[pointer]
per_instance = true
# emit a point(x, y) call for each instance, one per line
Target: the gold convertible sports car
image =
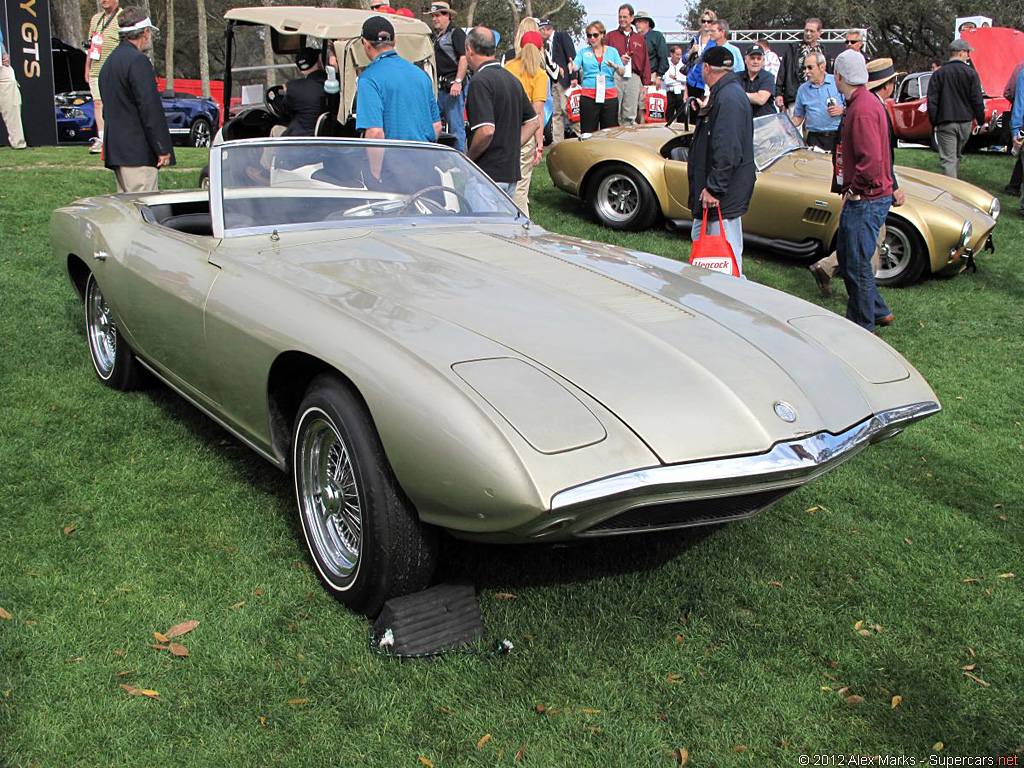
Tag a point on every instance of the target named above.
point(632, 177)
point(379, 320)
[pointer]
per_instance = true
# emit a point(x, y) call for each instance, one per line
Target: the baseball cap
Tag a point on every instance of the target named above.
point(717, 56)
point(960, 45)
point(307, 58)
point(543, 23)
point(377, 29)
point(755, 50)
point(532, 38)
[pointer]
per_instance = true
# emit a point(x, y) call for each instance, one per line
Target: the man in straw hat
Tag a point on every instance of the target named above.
point(882, 81)
point(450, 55)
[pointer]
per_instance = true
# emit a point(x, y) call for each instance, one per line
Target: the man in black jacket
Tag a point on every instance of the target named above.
point(721, 161)
point(559, 49)
point(136, 141)
point(304, 97)
point(954, 101)
point(791, 71)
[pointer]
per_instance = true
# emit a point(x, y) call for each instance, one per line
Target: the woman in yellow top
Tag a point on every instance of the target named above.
point(527, 67)
point(104, 35)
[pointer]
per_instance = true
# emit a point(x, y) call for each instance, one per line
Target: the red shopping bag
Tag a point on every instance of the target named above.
point(655, 106)
point(572, 99)
point(713, 251)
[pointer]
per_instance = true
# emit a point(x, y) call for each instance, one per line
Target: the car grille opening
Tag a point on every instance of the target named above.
point(817, 216)
point(683, 514)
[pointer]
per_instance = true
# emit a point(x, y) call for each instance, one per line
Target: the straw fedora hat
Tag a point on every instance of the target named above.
point(880, 72)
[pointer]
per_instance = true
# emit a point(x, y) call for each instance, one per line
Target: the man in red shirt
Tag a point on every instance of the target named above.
point(864, 176)
point(632, 49)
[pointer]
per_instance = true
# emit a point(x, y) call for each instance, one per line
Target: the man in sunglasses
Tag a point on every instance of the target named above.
point(819, 105)
point(854, 41)
point(794, 71)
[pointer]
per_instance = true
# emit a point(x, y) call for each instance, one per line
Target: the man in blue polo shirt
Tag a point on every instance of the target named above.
point(819, 104)
point(396, 99)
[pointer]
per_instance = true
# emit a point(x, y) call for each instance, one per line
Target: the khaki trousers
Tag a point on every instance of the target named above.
point(526, 155)
point(10, 107)
point(629, 97)
point(559, 112)
point(141, 178)
point(831, 262)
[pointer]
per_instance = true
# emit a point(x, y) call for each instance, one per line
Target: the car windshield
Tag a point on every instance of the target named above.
point(774, 136)
point(310, 184)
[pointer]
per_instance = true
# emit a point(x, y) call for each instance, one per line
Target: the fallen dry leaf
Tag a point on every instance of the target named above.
point(159, 647)
point(160, 637)
point(812, 510)
point(969, 667)
point(8, 692)
point(827, 676)
point(682, 755)
point(74, 660)
point(445, 710)
point(1006, 575)
point(843, 690)
point(504, 596)
point(125, 673)
point(263, 721)
point(896, 701)
point(177, 649)
point(972, 581)
point(977, 679)
point(180, 629)
point(825, 689)
point(679, 638)
point(675, 678)
point(855, 699)
point(257, 592)
point(297, 702)
point(907, 541)
point(591, 711)
point(4, 615)
point(831, 663)
point(118, 651)
point(484, 740)
point(236, 606)
point(877, 627)
point(739, 748)
point(68, 529)
point(937, 746)
point(971, 651)
point(864, 632)
point(31, 622)
point(774, 583)
point(140, 691)
point(859, 624)
point(519, 754)
point(426, 762)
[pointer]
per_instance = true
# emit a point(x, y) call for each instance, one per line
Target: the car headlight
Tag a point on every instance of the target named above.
point(993, 209)
point(74, 113)
point(965, 233)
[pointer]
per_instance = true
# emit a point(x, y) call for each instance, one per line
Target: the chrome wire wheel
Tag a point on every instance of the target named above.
point(894, 256)
point(101, 330)
point(618, 198)
point(329, 499)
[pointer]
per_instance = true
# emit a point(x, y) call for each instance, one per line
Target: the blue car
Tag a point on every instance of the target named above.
point(191, 119)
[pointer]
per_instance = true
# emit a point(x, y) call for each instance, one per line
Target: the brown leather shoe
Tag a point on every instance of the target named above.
point(822, 279)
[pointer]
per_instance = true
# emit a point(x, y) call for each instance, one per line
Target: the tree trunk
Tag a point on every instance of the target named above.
point(527, 12)
point(515, 16)
point(554, 10)
point(66, 21)
point(268, 53)
point(169, 47)
point(470, 13)
point(204, 48)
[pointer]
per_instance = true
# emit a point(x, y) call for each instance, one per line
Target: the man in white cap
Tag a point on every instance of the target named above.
point(863, 175)
point(136, 141)
point(955, 100)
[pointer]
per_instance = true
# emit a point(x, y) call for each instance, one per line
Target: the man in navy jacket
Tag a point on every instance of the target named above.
point(558, 51)
point(721, 161)
point(136, 141)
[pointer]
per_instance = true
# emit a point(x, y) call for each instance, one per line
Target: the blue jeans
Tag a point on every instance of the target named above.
point(859, 224)
point(451, 110)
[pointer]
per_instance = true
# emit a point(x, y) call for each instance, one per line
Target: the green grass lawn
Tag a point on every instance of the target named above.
point(122, 515)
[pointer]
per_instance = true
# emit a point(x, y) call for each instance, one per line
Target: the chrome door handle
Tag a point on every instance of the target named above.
point(100, 255)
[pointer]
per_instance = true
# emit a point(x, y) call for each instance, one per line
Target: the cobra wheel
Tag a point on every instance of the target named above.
point(200, 134)
point(903, 256)
point(363, 534)
point(621, 198)
point(111, 356)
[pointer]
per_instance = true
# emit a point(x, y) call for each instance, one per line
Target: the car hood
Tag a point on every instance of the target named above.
point(675, 352)
point(997, 50)
point(817, 165)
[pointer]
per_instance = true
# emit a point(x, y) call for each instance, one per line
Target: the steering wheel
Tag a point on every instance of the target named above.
point(418, 196)
point(273, 100)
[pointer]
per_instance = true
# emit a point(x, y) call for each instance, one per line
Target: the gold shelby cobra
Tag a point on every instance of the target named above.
point(632, 177)
point(420, 356)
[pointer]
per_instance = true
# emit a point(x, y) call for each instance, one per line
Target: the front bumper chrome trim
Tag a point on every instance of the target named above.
point(789, 464)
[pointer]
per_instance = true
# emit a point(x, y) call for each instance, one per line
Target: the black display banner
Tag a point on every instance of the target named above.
point(26, 27)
